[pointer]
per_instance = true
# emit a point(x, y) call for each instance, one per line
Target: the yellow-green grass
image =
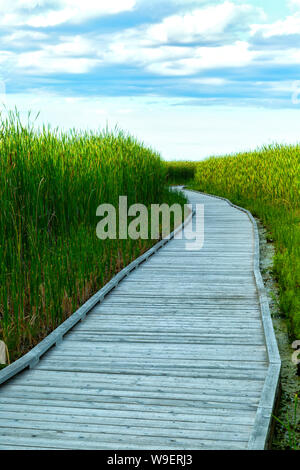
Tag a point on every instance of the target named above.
point(266, 182)
point(179, 172)
point(50, 186)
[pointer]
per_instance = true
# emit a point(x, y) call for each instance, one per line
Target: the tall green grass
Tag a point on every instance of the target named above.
point(50, 186)
point(266, 182)
point(179, 172)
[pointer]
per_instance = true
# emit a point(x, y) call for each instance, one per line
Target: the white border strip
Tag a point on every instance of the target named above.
point(31, 358)
point(260, 434)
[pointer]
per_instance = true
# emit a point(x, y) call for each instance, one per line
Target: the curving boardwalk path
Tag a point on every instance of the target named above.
point(180, 355)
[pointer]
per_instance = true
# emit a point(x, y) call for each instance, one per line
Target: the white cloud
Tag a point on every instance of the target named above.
point(22, 12)
point(278, 56)
point(5, 56)
point(206, 23)
point(209, 81)
point(236, 55)
point(44, 62)
point(71, 55)
point(290, 25)
point(74, 46)
point(285, 57)
point(164, 48)
point(294, 4)
point(19, 37)
point(130, 49)
point(136, 47)
point(26, 4)
point(168, 47)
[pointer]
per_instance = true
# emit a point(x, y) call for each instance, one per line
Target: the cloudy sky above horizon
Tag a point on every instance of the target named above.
point(191, 78)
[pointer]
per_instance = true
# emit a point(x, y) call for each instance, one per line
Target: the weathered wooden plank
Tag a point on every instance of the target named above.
point(247, 313)
point(231, 325)
point(201, 340)
point(199, 351)
point(182, 287)
point(92, 401)
point(201, 322)
point(166, 418)
point(200, 360)
point(185, 331)
point(194, 281)
point(182, 309)
point(155, 338)
point(184, 300)
point(256, 373)
point(238, 329)
point(20, 447)
point(137, 371)
point(169, 326)
point(98, 431)
point(207, 408)
point(202, 291)
point(217, 385)
point(224, 425)
point(224, 387)
point(48, 440)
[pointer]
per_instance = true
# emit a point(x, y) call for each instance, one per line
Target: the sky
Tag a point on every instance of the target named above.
point(190, 78)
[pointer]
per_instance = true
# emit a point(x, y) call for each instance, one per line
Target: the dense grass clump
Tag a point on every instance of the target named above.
point(180, 172)
point(50, 186)
point(267, 183)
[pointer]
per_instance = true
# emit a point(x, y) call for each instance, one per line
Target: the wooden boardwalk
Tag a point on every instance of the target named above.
point(179, 355)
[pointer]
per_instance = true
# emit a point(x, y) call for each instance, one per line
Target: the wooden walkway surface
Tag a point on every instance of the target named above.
point(180, 355)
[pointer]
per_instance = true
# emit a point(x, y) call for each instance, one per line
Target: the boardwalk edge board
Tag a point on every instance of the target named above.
point(32, 358)
point(260, 435)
